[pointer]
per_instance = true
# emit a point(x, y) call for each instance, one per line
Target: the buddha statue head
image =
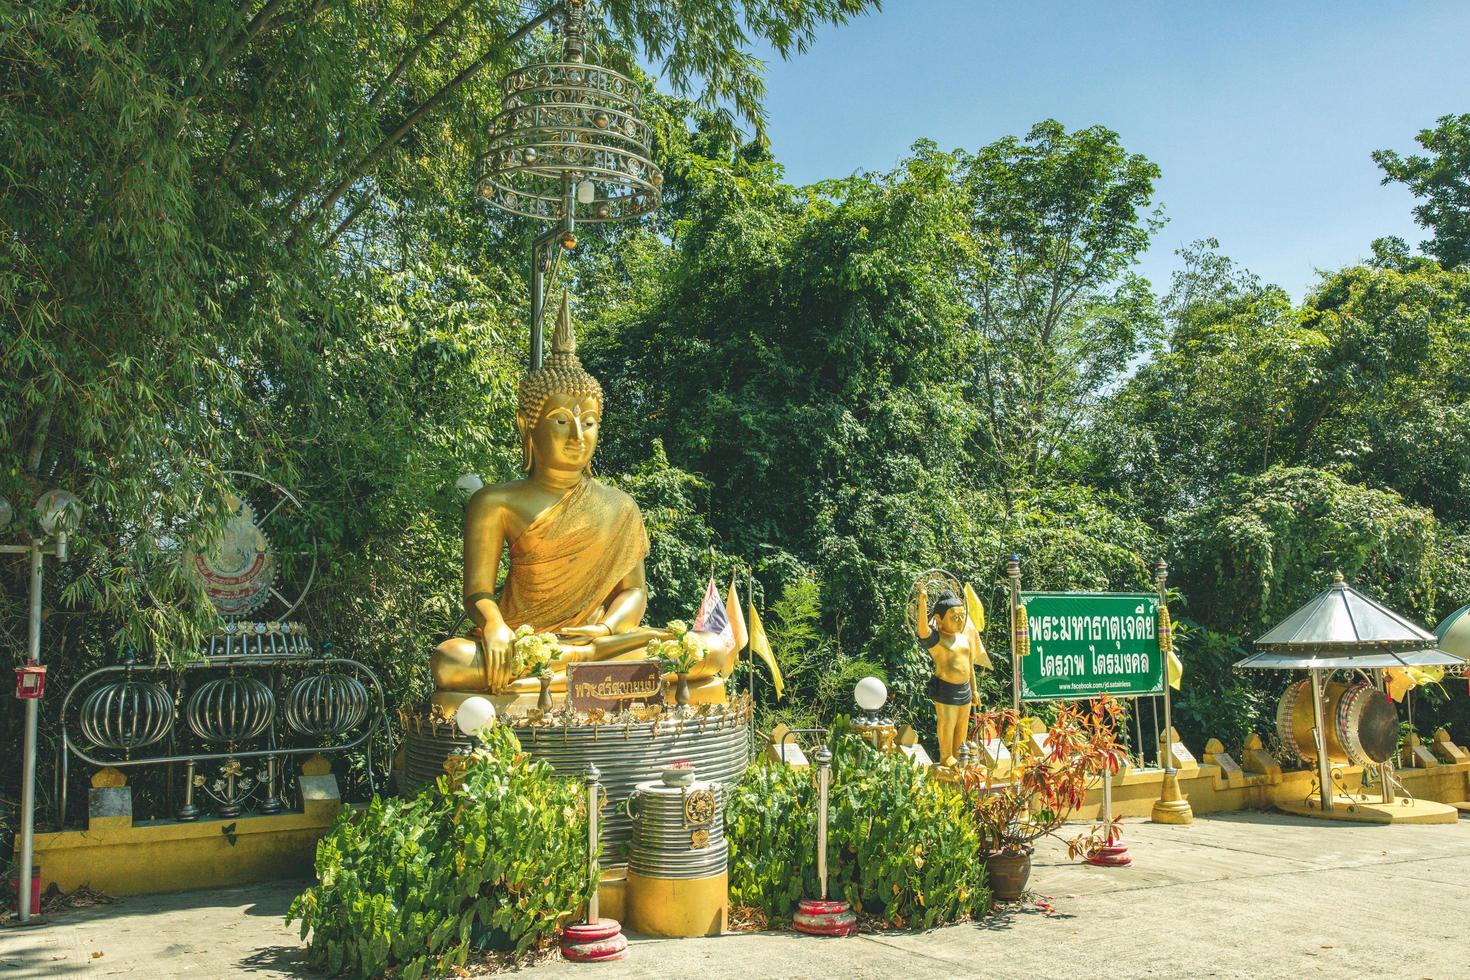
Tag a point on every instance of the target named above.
point(559, 406)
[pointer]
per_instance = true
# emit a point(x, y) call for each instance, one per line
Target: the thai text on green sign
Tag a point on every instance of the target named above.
point(1088, 643)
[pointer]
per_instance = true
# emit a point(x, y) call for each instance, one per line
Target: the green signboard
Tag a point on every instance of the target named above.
point(1088, 643)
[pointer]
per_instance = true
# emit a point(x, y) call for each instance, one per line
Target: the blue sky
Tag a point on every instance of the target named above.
point(1261, 115)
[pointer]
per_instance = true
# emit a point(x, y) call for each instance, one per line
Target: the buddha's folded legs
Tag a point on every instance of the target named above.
point(458, 664)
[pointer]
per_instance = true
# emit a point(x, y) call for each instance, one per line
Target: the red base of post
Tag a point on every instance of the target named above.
point(822, 918)
point(35, 884)
point(1114, 855)
point(594, 942)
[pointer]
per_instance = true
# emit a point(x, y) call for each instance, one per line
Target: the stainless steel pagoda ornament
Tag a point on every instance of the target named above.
point(1353, 722)
point(567, 146)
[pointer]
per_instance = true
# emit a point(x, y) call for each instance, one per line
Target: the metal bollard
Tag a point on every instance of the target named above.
point(824, 779)
point(596, 939)
point(823, 917)
point(593, 866)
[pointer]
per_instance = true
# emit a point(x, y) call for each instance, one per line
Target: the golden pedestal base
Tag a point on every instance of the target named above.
point(1362, 809)
point(682, 908)
point(704, 692)
point(1171, 806)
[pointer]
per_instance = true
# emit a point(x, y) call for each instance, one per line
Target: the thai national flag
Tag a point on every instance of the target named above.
point(712, 616)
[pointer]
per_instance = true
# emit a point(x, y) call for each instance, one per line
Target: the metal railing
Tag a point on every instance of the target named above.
point(228, 721)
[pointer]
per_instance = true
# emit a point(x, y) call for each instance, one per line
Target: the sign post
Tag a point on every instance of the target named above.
point(1068, 646)
point(1018, 631)
point(1171, 806)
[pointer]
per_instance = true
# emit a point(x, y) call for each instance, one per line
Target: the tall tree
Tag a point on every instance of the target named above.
point(244, 235)
point(1056, 221)
point(1441, 178)
point(197, 200)
point(1218, 398)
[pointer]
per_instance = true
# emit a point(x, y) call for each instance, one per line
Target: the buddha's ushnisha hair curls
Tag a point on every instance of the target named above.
point(561, 373)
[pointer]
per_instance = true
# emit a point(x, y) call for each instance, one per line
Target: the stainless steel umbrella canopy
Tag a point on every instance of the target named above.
point(1342, 629)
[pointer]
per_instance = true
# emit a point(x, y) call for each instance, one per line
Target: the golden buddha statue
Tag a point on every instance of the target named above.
point(576, 550)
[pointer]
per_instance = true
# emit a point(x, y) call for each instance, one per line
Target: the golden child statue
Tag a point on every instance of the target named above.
point(954, 645)
point(575, 549)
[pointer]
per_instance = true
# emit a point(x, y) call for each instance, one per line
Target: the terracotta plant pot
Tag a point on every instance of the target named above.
point(544, 701)
point(1008, 873)
point(681, 693)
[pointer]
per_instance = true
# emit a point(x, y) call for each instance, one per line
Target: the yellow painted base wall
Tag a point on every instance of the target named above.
point(1208, 791)
point(124, 859)
point(168, 856)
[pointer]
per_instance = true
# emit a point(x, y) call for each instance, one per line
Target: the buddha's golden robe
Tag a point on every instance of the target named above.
point(569, 560)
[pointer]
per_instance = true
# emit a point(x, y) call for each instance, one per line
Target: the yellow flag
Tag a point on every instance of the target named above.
point(737, 617)
point(1176, 670)
point(761, 647)
point(981, 658)
point(973, 608)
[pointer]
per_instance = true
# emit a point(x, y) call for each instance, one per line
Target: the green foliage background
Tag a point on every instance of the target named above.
point(244, 237)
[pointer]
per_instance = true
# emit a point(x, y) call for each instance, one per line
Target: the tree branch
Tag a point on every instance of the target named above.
point(38, 440)
point(351, 218)
point(411, 55)
point(369, 159)
point(266, 85)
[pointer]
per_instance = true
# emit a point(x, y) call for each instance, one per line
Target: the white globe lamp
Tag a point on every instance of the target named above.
point(468, 483)
point(870, 694)
point(59, 510)
point(473, 715)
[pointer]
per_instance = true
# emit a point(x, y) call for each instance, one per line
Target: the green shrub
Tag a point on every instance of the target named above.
point(901, 846)
point(771, 823)
point(495, 863)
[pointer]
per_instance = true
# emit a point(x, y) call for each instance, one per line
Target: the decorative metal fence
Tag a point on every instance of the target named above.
point(222, 728)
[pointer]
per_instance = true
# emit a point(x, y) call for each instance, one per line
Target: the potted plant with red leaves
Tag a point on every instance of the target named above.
point(1047, 779)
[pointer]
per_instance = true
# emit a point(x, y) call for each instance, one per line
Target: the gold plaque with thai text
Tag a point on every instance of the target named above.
point(614, 685)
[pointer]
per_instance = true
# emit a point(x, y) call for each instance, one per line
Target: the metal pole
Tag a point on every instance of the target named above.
point(593, 866)
point(1013, 573)
point(28, 764)
point(1107, 807)
point(749, 650)
point(1141, 747)
point(1161, 575)
point(824, 775)
point(1153, 716)
point(188, 811)
point(1324, 767)
point(540, 260)
point(1385, 771)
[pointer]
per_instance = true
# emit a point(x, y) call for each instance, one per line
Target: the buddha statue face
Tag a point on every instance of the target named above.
point(565, 435)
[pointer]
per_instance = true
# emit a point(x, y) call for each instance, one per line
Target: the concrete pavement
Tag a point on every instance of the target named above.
point(1233, 895)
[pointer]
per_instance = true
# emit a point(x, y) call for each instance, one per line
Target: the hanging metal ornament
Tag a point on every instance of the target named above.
point(568, 146)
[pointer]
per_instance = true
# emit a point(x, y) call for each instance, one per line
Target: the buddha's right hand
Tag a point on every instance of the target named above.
point(499, 646)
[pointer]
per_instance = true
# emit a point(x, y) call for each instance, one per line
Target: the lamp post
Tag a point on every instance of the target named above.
point(824, 917)
point(57, 515)
point(594, 940)
point(569, 145)
point(871, 694)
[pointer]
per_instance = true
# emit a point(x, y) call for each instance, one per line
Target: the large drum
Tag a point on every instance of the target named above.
point(1361, 723)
